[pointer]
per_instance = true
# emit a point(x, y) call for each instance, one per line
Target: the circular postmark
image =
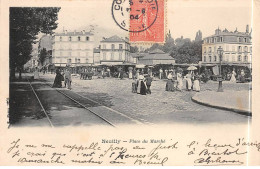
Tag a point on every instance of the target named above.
point(134, 15)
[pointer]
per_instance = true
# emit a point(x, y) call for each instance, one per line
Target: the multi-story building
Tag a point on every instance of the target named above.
point(115, 51)
point(237, 47)
point(73, 49)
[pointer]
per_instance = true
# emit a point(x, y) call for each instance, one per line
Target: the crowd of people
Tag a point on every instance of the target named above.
point(176, 79)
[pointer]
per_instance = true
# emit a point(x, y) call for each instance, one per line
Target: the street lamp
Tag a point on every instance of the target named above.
point(220, 53)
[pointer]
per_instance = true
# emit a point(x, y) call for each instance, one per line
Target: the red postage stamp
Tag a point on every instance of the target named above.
point(144, 19)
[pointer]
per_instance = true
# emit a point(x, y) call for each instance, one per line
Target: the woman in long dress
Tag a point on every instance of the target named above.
point(188, 81)
point(169, 83)
point(179, 81)
point(36, 74)
point(196, 83)
point(233, 76)
point(58, 79)
point(141, 89)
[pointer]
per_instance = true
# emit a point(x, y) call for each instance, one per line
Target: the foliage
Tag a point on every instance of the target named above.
point(134, 49)
point(25, 25)
point(189, 52)
point(43, 55)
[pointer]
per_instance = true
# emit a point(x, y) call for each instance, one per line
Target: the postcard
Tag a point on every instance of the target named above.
point(129, 83)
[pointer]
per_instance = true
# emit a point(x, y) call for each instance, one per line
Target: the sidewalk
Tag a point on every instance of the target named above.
point(237, 101)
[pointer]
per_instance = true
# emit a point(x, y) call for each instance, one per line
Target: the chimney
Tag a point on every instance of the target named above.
point(247, 28)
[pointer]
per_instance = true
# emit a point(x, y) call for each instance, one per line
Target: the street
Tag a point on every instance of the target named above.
point(113, 98)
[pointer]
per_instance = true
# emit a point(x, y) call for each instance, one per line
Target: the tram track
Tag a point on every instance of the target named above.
point(70, 98)
point(134, 120)
point(47, 116)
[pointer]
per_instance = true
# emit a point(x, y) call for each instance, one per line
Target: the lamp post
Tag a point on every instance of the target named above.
point(220, 53)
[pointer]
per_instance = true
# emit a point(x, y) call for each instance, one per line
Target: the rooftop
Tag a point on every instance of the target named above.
point(114, 38)
point(75, 33)
point(156, 54)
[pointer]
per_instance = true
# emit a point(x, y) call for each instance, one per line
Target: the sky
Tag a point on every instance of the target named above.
point(184, 17)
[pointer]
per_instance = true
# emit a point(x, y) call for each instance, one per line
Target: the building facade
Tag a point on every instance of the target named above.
point(115, 51)
point(237, 47)
point(73, 49)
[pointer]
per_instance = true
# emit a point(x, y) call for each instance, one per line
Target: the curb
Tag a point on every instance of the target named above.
point(243, 112)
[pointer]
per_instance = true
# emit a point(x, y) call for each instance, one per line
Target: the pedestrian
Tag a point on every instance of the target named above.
point(137, 73)
point(121, 74)
point(68, 78)
point(242, 76)
point(108, 72)
point(188, 81)
point(36, 74)
point(141, 88)
point(130, 74)
point(196, 83)
point(148, 81)
point(166, 73)
point(160, 73)
point(58, 79)
point(179, 80)
point(233, 76)
point(169, 83)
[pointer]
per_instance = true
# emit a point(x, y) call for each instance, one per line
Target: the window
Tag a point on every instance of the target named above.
point(209, 58)
point(78, 38)
point(209, 49)
point(245, 58)
point(205, 59)
point(239, 58)
point(120, 55)
point(245, 39)
point(113, 46)
point(70, 38)
point(215, 49)
point(60, 38)
point(239, 49)
point(215, 58)
point(205, 49)
point(251, 49)
point(227, 48)
point(112, 55)
point(221, 39)
point(86, 60)
point(104, 56)
point(69, 61)
point(245, 49)
point(120, 46)
point(87, 38)
point(227, 58)
point(78, 60)
point(240, 39)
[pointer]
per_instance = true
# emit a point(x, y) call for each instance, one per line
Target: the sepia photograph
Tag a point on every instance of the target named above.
point(129, 64)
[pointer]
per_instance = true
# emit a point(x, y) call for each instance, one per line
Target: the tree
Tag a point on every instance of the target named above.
point(134, 49)
point(189, 52)
point(25, 25)
point(43, 55)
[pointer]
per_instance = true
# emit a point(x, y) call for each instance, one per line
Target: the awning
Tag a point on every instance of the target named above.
point(140, 66)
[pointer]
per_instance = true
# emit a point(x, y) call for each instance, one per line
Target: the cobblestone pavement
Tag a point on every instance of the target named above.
point(159, 107)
